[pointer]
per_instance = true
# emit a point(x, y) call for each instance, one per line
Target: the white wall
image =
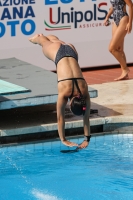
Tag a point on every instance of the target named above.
point(90, 37)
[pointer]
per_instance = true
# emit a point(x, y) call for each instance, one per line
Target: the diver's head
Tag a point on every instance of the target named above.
point(78, 105)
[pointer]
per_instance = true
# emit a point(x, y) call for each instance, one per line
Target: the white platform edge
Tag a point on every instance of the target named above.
point(35, 101)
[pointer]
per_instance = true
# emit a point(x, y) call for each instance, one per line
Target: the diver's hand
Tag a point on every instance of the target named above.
point(129, 27)
point(83, 145)
point(69, 144)
point(106, 22)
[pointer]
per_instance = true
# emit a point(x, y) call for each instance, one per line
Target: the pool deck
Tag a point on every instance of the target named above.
point(114, 104)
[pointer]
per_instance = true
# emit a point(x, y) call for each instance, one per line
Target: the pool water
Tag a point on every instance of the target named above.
point(40, 171)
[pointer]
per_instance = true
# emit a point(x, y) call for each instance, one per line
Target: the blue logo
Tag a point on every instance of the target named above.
point(55, 2)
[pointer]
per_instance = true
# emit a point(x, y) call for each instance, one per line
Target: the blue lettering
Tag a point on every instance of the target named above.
point(72, 14)
point(13, 24)
point(16, 12)
point(32, 2)
point(95, 12)
point(50, 2)
point(5, 3)
point(24, 2)
point(16, 3)
point(68, 17)
point(2, 29)
point(76, 18)
point(13, 27)
point(23, 27)
point(29, 12)
point(28, 2)
point(105, 13)
point(6, 14)
point(90, 14)
point(66, 1)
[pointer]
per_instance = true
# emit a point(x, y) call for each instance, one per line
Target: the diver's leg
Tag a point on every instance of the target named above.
point(38, 39)
point(116, 47)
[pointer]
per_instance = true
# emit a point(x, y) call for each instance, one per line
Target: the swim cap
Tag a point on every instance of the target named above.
point(78, 105)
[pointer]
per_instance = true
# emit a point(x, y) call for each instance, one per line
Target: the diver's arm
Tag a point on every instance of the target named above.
point(61, 103)
point(110, 12)
point(108, 15)
point(129, 25)
point(86, 124)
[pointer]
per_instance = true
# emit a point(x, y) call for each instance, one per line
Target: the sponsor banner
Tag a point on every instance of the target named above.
point(75, 21)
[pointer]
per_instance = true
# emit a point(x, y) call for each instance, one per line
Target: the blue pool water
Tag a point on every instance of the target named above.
point(102, 171)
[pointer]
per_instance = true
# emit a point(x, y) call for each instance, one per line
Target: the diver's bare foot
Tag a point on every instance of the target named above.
point(35, 39)
point(124, 76)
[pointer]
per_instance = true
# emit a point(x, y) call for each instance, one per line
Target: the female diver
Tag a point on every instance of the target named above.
point(71, 84)
point(121, 26)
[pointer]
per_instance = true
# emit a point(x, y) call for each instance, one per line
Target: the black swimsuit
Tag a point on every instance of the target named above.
point(65, 51)
point(118, 12)
point(74, 81)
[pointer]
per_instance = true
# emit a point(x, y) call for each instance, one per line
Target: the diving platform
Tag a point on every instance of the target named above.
point(23, 84)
